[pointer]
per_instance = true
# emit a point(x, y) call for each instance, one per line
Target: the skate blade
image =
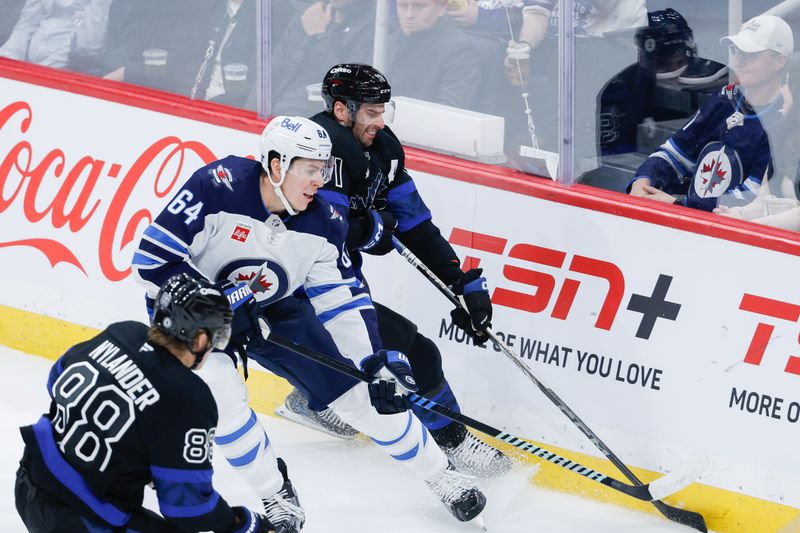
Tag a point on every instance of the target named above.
point(283, 412)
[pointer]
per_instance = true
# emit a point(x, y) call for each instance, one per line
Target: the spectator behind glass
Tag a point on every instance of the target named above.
point(603, 30)
point(486, 16)
point(192, 53)
point(59, 33)
point(776, 203)
point(665, 49)
point(429, 58)
point(326, 33)
point(723, 153)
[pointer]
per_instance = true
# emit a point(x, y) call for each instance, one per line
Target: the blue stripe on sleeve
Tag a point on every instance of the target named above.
point(222, 440)
point(319, 290)
point(164, 239)
point(333, 313)
point(181, 475)
point(189, 511)
point(70, 478)
point(411, 223)
point(401, 190)
point(141, 259)
point(407, 206)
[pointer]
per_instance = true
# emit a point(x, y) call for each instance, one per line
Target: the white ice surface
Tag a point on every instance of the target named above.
point(344, 486)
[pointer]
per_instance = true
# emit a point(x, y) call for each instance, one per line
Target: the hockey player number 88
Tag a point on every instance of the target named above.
point(90, 419)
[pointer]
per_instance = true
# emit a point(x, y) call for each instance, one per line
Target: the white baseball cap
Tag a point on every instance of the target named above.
point(765, 32)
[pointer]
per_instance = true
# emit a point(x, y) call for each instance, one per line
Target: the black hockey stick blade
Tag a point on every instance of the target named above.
point(662, 486)
point(682, 516)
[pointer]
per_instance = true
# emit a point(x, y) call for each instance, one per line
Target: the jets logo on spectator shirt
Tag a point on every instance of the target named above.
point(335, 215)
point(241, 232)
point(718, 169)
point(223, 176)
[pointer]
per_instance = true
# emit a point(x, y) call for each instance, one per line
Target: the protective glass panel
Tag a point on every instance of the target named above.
point(459, 85)
point(669, 127)
point(203, 49)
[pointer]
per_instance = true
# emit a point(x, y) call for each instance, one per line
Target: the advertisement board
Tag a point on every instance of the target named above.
point(664, 341)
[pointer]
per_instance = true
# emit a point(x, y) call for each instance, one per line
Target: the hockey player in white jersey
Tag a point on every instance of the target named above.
point(259, 222)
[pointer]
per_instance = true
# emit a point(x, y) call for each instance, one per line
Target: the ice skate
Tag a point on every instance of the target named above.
point(475, 457)
point(459, 493)
point(295, 408)
point(283, 509)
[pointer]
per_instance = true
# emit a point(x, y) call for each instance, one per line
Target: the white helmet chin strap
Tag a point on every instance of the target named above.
point(277, 186)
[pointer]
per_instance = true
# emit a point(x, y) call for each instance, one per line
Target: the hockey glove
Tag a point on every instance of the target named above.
point(388, 368)
point(381, 226)
point(247, 324)
point(474, 294)
point(250, 522)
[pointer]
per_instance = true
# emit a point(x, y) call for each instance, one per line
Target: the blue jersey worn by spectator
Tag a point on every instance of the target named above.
point(724, 149)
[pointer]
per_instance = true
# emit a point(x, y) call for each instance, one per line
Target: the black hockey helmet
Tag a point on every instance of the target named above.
point(186, 305)
point(355, 83)
point(667, 41)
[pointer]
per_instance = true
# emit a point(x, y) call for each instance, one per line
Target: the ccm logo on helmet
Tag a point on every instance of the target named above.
point(289, 125)
point(337, 70)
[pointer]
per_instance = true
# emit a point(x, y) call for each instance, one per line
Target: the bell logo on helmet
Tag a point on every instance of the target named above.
point(289, 125)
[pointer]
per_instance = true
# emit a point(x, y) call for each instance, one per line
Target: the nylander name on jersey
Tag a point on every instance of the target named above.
point(723, 149)
point(126, 373)
point(125, 413)
point(217, 227)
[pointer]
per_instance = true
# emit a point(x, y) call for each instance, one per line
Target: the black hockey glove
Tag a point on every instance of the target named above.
point(472, 289)
point(247, 324)
point(250, 522)
point(388, 368)
point(379, 237)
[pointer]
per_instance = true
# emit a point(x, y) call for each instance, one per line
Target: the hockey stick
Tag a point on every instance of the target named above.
point(659, 488)
point(682, 516)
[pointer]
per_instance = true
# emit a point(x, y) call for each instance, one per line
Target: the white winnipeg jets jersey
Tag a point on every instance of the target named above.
point(217, 227)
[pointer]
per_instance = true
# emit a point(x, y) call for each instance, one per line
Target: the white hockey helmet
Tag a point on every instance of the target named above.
point(292, 137)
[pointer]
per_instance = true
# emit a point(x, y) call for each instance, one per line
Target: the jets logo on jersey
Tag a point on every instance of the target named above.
point(267, 279)
point(718, 169)
point(223, 176)
point(241, 232)
point(335, 215)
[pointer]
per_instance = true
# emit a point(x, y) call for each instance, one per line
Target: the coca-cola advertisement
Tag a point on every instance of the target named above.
point(80, 179)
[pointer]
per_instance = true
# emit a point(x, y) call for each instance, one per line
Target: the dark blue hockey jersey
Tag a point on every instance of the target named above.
point(125, 413)
point(724, 149)
point(375, 178)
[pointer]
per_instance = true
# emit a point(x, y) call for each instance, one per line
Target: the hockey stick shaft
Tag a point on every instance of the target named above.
point(678, 515)
point(641, 492)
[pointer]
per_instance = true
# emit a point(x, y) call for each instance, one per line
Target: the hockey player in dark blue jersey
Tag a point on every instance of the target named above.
point(722, 154)
point(259, 224)
point(373, 190)
point(127, 410)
